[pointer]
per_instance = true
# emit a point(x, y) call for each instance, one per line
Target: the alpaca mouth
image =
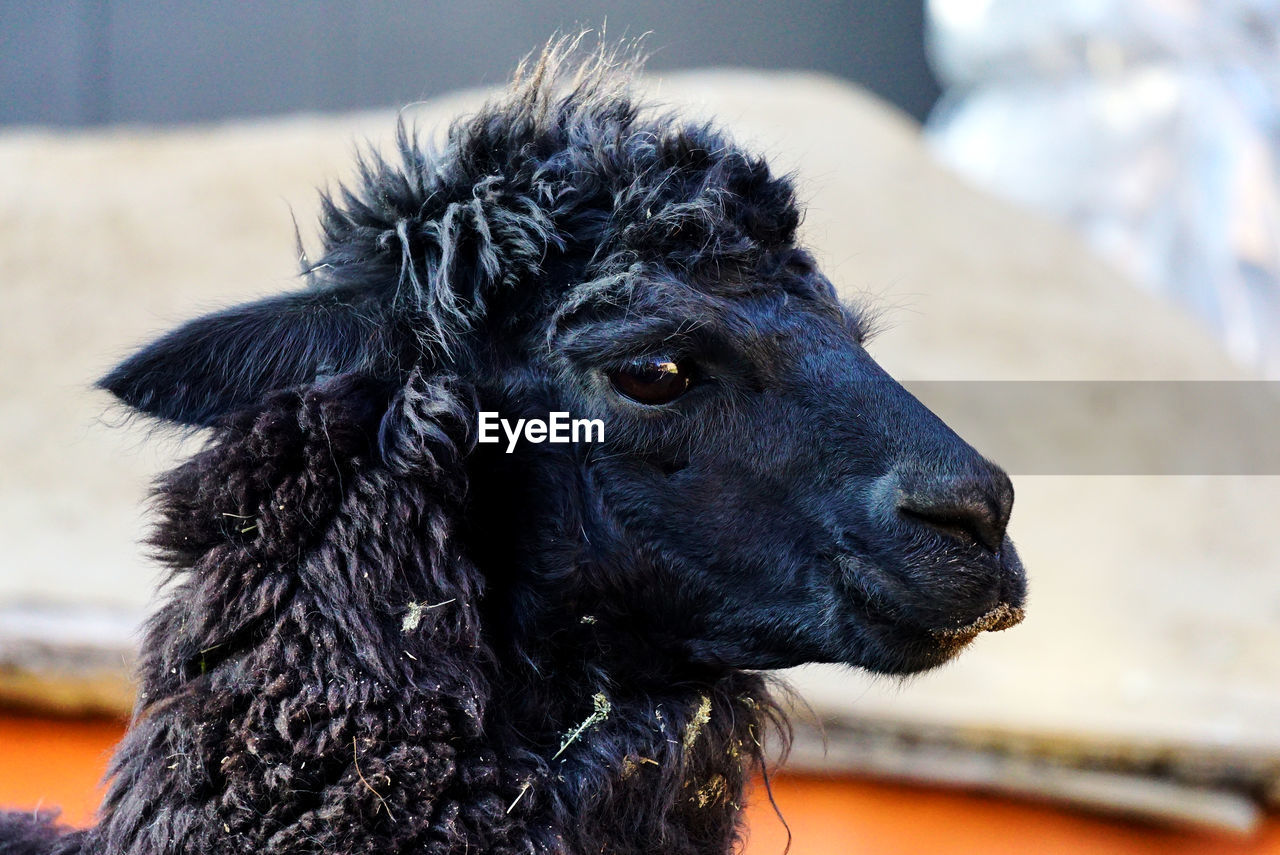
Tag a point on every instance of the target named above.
point(902, 648)
point(885, 598)
point(1002, 617)
point(911, 628)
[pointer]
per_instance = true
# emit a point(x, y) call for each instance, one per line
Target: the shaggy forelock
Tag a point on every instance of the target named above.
point(566, 164)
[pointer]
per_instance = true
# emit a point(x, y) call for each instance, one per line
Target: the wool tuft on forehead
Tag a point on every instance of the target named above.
point(566, 166)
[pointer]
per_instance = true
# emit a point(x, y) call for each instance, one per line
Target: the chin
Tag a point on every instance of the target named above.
point(896, 648)
point(906, 652)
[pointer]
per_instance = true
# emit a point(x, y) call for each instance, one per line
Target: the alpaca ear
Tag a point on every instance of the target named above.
point(226, 361)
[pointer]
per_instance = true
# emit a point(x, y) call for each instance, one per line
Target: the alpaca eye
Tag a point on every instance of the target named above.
point(651, 380)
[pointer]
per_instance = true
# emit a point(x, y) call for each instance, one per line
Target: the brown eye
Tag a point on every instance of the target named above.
point(651, 380)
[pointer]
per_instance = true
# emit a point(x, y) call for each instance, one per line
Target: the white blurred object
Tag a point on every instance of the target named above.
point(1152, 126)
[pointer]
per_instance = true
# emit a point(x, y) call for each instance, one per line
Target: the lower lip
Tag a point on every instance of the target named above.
point(1001, 617)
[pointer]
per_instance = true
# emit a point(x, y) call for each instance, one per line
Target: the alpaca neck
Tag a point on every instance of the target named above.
point(321, 678)
point(628, 767)
point(639, 751)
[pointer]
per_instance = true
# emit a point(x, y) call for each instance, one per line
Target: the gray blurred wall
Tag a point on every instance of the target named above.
point(89, 62)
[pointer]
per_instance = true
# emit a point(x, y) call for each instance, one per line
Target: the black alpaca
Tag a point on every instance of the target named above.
point(384, 637)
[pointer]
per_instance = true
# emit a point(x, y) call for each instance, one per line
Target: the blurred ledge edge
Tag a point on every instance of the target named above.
point(67, 660)
point(936, 759)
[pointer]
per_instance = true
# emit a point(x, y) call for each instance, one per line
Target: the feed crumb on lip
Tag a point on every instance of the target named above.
point(1001, 617)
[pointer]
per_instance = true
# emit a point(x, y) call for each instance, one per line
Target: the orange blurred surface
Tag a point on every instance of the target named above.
point(47, 762)
point(55, 763)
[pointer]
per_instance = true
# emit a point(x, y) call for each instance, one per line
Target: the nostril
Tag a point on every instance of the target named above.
point(963, 508)
point(960, 523)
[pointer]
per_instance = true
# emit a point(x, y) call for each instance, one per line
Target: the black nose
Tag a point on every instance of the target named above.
point(972, 506)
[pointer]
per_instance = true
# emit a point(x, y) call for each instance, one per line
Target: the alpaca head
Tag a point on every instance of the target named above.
point(764, 494)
